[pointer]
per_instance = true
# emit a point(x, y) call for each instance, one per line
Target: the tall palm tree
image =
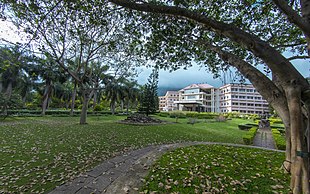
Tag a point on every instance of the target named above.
point(114, 91)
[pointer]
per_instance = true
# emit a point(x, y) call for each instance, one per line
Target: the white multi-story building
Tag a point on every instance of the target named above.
point(242, 98)
point(166, 103)
point(198, 97)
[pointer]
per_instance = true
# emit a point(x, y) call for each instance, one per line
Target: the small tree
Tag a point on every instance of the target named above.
point(149, 102)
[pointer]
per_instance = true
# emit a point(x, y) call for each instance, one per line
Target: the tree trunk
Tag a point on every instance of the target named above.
point(127, 107)
point(112, 106)
point(8, 94)
point(73, 100)
point(299, 170)
point(122, 105)
point(24, 101)
point(9, 90)
point(46, 95)
point(305, 10)
point(1, 86)
point(87, 94)
point(83, 116)
point(307, 133)
point(95, 99)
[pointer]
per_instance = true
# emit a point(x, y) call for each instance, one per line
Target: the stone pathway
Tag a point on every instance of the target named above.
point(263, 138)
point(122, 174)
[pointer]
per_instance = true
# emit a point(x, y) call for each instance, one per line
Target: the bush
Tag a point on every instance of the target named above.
point(245, 127)
point(191, 114)
point(278, 139)
point(98, 108)
point(249, 136)
point(220, 118)
point(163, 114)
point(177, 114)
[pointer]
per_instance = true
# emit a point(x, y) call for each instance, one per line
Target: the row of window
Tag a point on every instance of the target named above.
point(244, 104)
point(239, 90)
point(242, 97)
point(245, 111)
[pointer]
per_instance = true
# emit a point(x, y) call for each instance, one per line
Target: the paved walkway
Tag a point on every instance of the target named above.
point(122, 174)
point(264, 138)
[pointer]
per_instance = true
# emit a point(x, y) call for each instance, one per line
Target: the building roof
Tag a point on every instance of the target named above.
point(202, 86)
point(238, 85)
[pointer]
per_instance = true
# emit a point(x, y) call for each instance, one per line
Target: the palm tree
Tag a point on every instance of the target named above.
point(132, 93)
point(114, 92)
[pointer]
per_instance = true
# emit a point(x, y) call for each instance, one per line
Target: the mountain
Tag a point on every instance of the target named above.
point(162, 90)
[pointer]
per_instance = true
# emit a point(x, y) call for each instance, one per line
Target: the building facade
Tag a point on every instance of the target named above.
point(198, 97)
point(241, 98)
point(166, 103)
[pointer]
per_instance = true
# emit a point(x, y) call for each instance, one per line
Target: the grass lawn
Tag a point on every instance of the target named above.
point(39, 153)
point(218, 169)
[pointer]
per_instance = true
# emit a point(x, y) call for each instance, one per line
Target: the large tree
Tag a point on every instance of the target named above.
point(242, 34)
point(75, 34)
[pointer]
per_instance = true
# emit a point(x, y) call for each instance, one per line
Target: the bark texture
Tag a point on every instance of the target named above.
point(46, 95)
point(73, 100)
point(87, 94)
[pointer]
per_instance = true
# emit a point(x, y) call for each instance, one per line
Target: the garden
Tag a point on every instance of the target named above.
point(39, 153)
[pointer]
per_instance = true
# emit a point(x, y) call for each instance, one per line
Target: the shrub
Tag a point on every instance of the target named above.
point(163, 114)
point(245, 127)
point(191, 114)
point(220, 118)
point(177, 114)
point(98, 108)
point(249, 136)
point(278, 139)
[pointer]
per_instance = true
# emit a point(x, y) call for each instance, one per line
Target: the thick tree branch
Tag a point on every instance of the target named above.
point(274, 96)
point(293, 16)
point(298, 57)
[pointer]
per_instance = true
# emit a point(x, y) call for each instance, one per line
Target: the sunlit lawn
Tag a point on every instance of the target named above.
point(39, 153)
point(218, 169)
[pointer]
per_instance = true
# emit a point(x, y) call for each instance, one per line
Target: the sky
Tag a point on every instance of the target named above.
point(176, 79)
point(182, 78)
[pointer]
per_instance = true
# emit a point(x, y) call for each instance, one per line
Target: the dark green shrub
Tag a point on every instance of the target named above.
point(191, 114)
point(163, 114)
point(249, 136)
point(245, 127)
point(177, 114)
point(278, 139)
point(98, 108)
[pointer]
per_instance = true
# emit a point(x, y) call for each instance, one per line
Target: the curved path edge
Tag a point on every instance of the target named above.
point(125, 173)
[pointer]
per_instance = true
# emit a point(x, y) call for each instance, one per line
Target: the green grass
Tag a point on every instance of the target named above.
point(218, 169)
point(39, 153)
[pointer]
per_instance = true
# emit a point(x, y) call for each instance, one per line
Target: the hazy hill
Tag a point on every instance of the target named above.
point(162, 90)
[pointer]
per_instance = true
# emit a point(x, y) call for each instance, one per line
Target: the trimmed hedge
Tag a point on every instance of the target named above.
point(249, 136)
point(163, 114)
point(245, 127)
point(278, 139)
point(25, 112)
point(177, 114)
